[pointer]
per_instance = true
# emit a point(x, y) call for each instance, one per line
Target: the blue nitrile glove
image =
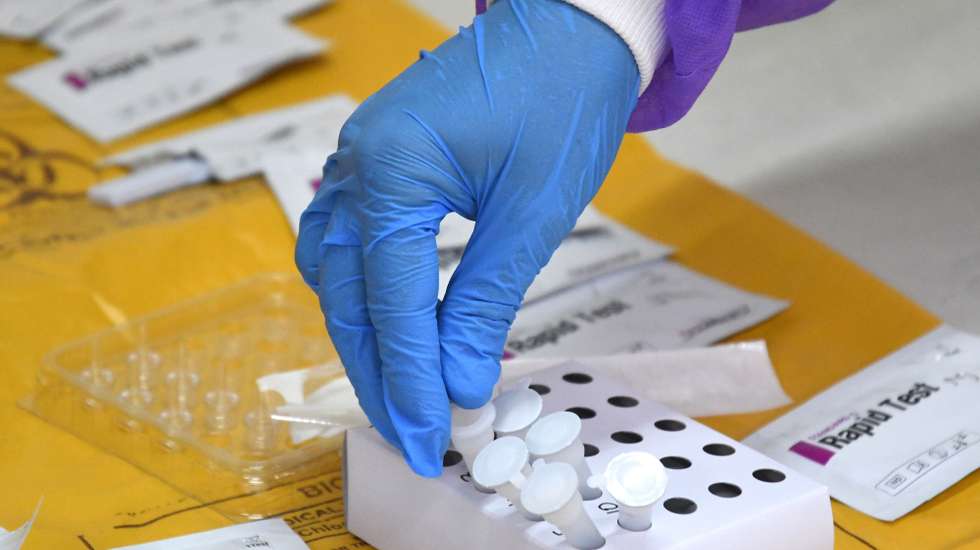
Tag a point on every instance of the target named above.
point(513, 123)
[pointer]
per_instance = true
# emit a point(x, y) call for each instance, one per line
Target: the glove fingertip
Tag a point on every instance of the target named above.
point(473, 394)
point(469, 376)
point(424, 453)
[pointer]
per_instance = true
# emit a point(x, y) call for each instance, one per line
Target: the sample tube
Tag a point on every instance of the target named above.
point(98, 378)
point(636, 480)
point(261, 431)
point(221, 401)
point(472, 430)
point(556, 438)
point(502, 466)
point(517, 409)
point(552, 491)
point(140, 368)
point(180, 383)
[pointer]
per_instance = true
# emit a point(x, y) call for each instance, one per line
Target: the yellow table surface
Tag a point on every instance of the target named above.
point(68, 268)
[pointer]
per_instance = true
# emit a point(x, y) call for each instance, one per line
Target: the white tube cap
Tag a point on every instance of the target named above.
point(553, 433)
point(501, 462)
point(550, 487)
point(517, 409)
point(636, 479)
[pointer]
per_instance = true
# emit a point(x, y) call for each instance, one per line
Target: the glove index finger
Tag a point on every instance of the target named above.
point(344, 305)
point(402, 280)
point(315, 218)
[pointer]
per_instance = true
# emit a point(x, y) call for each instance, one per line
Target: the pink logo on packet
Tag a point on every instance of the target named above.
point(811, 452)
point(315, 184)
point(75, 80)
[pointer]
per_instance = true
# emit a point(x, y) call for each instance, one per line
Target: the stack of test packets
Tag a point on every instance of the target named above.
point(605, 290)
point(129, 64)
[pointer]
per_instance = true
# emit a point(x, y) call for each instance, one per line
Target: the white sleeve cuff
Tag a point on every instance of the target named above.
point(640, 23)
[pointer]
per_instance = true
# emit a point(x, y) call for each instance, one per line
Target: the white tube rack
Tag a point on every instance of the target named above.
point(720, 494)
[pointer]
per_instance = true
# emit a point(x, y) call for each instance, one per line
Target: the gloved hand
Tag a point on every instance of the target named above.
point(513, 123)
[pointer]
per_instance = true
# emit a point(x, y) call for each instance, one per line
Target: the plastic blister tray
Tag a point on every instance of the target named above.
point(174, 392)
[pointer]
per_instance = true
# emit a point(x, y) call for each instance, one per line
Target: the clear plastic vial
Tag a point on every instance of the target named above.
point(552, 492)
point(471, 431)
point(502, 466)
point(557, 438)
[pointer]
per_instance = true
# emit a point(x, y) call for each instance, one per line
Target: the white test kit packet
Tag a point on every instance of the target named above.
point(155, 180)
point(724, 379)
point(91, 25)
point(167, 71)
point(24, 19)
point(596, 246)
point(894, 435)
point(238, 148)
point(288, 145)
point(657, 305)
point(268, 534)
point(294, 177)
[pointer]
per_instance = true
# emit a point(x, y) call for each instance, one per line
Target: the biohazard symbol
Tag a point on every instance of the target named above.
point(29, 174)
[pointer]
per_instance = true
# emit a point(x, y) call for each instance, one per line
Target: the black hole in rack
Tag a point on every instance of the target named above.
point(669, 425)
point(627, 437)
point(451, 458)
point(768, 475)
point(675, 462)
point(679, 505)
point(582, 412)
point(623, 401)
point(724, 490)
point(718, 449)
point(540, 388)
point(591, 450)
point(577, 378)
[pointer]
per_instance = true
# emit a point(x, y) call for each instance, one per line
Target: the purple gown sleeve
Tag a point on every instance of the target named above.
point(699, 33)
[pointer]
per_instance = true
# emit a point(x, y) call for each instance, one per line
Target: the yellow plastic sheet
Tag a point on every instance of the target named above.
point(68, 268)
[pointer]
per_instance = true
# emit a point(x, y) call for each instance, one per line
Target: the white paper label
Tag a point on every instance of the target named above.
point(894, 435)
point(27, 18)
point(268, 534)
point(112, 92)
point(659, 305)
point(96, 23)
point(726, 379)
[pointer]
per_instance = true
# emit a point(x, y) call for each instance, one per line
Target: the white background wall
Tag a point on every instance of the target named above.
point(862, 126)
